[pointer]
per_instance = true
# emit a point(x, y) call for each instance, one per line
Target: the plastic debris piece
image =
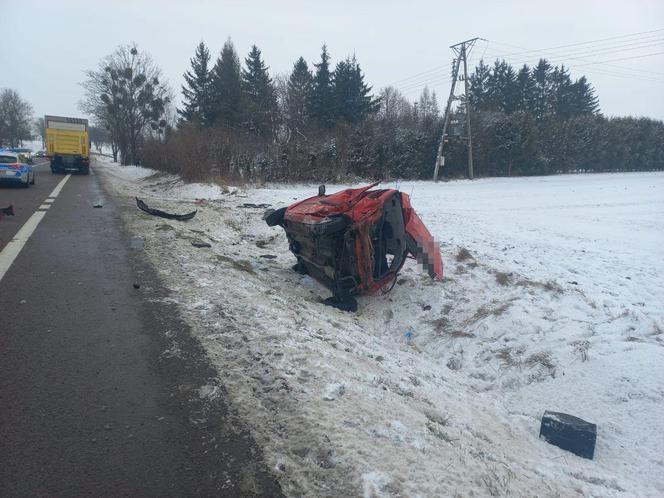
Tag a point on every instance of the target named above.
point(157, 212)
point(8, 211)
point(251, 205)
point(200, 243)
point(569, 433)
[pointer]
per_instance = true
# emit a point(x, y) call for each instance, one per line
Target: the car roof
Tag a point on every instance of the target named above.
point(5, 152)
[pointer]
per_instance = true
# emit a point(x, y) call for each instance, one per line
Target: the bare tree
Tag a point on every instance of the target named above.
point(428, 106)
point(99, 137)
point(15, 118)
point(393, 105)
point(40, 128)
point(125, 96)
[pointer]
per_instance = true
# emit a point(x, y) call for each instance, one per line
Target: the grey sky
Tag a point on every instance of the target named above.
point(46, 45)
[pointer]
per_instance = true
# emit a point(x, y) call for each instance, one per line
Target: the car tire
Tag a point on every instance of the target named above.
point(276, 217)
point(33, 179)
point(27, 183)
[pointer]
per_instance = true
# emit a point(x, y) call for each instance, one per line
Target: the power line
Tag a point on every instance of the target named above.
point(583, 43)
point(436, 69)
point(600, 51)
point(576, 55)
point(585, 62)
point(425, 77)
point(431, 81)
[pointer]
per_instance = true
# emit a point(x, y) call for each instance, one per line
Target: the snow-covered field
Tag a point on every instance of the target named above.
point(437, 388)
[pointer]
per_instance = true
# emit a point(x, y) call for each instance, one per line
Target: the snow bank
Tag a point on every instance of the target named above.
point(559, 307)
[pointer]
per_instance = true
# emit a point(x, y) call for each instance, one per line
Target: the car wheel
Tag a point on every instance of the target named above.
point(275, 217)
point(33, 179)
point(27, 183)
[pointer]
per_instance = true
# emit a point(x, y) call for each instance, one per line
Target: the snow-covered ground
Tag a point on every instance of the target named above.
point(437, 388)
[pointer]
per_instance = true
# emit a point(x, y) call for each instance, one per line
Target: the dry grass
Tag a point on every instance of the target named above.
point(497, 479)
point(263, 243)
point(459, 334)
point(442, 327)
point(440, 324)
point(503, 278)
point(581, 348)
point(233, 224)
point(542, 358)
point(495, 310)
point(239, 264)
point(463, 254)
point(544, 364)
point(440, 433)
point(550, 286)
point(507, 357)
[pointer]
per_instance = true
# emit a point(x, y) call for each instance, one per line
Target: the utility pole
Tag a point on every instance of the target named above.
point(467, 101)
point(446, 120)
point(460, 55)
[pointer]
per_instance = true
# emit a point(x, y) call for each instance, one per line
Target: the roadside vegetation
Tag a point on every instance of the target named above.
point(16, 122)
point(324, 122)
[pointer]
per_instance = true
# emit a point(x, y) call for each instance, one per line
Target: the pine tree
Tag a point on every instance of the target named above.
point(298, 95)
point(478, 89)
point(525, 89)
point(352, 95)
point(226, 92)
point(583, 97)
point(560, 93)
point(541, 95)
point(196, 94)
point(501, 88)
point(322, 105)
point(258, 93)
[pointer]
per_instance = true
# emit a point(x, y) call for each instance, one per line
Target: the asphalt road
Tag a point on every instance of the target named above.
point(25, 201)
point(101, 383)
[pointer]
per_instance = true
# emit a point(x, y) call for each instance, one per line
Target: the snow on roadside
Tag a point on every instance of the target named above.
point(560, 306)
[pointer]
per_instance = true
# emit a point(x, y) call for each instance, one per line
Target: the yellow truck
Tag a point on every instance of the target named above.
point(67, 144)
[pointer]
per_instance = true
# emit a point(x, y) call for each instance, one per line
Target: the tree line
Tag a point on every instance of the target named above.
point(323, 122)
point(16, 119)
point(246, 97)
point(537, 120)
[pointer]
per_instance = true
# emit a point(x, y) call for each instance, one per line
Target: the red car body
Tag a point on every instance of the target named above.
point(357, 240)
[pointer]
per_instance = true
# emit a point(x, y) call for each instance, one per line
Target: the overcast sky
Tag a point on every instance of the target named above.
point(47, 45)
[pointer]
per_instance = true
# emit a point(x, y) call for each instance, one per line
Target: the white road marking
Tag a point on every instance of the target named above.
point(14, 246)
point(49, 200)
point(57, 189)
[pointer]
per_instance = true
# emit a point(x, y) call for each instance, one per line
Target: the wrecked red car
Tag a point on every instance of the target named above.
point(356, 240)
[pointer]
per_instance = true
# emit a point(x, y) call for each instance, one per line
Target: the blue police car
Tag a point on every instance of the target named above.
point(14, 168)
